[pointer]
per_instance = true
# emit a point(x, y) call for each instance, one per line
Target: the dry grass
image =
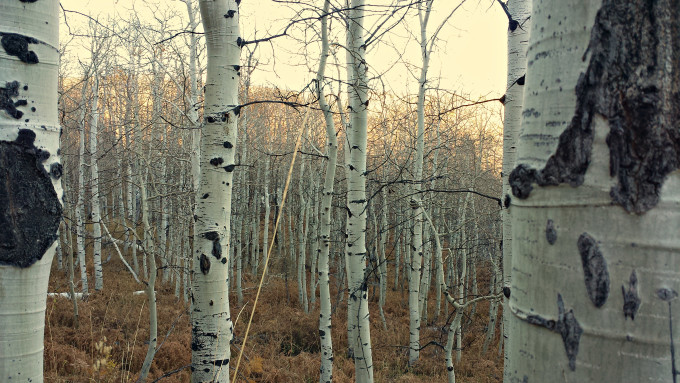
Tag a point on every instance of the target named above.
point(283, 345)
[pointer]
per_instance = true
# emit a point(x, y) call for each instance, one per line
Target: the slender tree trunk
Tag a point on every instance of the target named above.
point(356, 191)
point(80, 224)
point(30, 202)
point(302, 241)
point(150, 254)
point(212, 327)
point(326, 371)
point(382, 259)
point(267, 208)
point(94, 169)
point(414, 298)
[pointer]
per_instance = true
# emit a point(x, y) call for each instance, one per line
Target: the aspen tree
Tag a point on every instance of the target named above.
point(326, 370)
point(80, 222)
point(359, 329)
point(94, 170)
point(212, 327)
point(518, 12)
point(416, 300)
point(595, 195)
point(30, 196)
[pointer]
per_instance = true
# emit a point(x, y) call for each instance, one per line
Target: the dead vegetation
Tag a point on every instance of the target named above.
point(110, 343)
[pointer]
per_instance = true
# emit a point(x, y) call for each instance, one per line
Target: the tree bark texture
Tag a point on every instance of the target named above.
point(30, 196)
point(595, 195)
point(212, 327)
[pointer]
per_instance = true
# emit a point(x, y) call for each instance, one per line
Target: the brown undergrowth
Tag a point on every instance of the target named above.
point(110, 342)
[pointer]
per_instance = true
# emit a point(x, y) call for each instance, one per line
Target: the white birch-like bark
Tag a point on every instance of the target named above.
point(130, 211)
point(192, 96)
point(302, 238)
point(31, 198)
point(212, 327)
point(382, 259)
point(595, 263)
point(518, 42)
point(267, 207)
point(150, 254)
point(71, 275)
point(356, 192)
point(462, 275)
point(58, 250)
point(326, 340)
point(314, 234)
point(414, 298)
point(80, 224)
point(425, 275)
point(239, 261)
point(94, 171)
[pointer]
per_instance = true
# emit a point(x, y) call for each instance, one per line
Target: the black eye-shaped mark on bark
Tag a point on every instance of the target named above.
point(204, 264)
point(594, 269)
point(551, 232)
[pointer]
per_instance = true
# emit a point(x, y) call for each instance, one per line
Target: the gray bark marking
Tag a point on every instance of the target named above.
point(30, 210)
point(566, 325)
point(594, 270)
point(550, 232)
point(633, 81)
point(10, 91)
point(668, 295)
point(631, 299)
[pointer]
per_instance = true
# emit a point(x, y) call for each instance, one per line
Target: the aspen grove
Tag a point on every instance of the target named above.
point(297, 191)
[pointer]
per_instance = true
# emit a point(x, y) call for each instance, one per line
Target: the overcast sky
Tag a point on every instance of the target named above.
point(470, 57)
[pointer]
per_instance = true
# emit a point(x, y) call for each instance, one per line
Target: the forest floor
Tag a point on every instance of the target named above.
point(111, 340)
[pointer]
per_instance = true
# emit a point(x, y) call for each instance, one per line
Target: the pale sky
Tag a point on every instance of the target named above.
point(470, 56)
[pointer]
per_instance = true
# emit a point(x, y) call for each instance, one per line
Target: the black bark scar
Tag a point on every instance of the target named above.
point(595, 270)
point(15, 44)
point(631, 299)
point(10, 91)
point(30, 210)
point(633, 81)
point(566, 325)
point(550, 232)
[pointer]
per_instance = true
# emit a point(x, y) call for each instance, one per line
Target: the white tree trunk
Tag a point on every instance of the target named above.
point(315, 249)
point(518, 42)
point(30, 202)
point(212, 327)
point(382, 258)
point(303, 218)
point(267, 208)
point(150, 254)
point(595, 262)
point(326, 371)
point(94, 169)
point(356, 192)
point(80, 224)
